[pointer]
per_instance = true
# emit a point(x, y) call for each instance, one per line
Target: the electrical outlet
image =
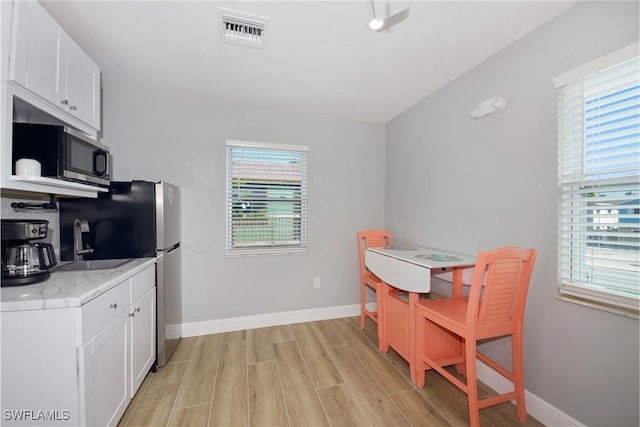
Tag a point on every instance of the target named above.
point(316, 282)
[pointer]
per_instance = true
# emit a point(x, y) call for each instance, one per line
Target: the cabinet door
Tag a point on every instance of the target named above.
point(35, 49)
point(106, 372)
point(39, 366)
point(143, 338)
point(81, 83)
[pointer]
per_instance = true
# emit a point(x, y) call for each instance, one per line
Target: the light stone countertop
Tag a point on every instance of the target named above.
point(69, 288)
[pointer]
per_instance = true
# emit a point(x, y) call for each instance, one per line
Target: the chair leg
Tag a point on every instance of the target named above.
point(379, 313)
point(362, 301)
point(518, 375)
point(472, 382)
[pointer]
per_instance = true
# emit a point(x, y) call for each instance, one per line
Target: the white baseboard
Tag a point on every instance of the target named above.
point(544, 412)
point(271, 319)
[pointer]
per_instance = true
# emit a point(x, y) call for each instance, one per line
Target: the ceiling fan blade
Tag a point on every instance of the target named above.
point(394, 19)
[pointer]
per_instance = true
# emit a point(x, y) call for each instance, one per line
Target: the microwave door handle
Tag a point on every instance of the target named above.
point(100, 168)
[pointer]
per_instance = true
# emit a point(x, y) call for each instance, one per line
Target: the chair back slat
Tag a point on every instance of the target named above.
point(498, 299)
point(500, 302)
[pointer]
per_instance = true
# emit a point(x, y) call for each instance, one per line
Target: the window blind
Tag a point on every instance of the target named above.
point(599, 186)
point(266, 198)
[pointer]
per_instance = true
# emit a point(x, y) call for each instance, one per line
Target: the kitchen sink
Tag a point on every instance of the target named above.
point(87, 265)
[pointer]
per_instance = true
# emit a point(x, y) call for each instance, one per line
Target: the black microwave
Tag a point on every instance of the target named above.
point(63, 153)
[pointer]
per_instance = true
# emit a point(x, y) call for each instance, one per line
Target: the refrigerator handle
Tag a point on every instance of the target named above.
point(172, 248)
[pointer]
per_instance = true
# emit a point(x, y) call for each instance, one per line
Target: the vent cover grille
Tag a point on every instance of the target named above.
point(242, 28)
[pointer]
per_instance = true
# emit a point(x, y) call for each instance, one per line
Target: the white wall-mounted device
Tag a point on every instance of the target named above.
point(489, 106)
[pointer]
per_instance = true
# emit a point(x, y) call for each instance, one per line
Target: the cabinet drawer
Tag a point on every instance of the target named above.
point(142, 282)
point(99, 312)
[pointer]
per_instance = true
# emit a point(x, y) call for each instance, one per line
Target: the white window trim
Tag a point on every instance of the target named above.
point(567, 293)
point(266, 145)
point(597, 65)
point(267, 250)
point(598, 305)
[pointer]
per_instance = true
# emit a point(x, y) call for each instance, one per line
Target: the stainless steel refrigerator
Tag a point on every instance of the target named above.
point(136, 219)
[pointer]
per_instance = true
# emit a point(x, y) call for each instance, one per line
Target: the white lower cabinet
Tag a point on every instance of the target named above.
point(117, 359)
point(81, 366)
point(142, 323)
point(106, 386)
point(40, 375)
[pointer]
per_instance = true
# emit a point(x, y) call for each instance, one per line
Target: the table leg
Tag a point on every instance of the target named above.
point(383, 342)
point(457, 292)
point(413, 299)
point(457, 282)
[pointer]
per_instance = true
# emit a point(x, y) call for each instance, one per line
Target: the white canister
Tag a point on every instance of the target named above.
point(28, 167)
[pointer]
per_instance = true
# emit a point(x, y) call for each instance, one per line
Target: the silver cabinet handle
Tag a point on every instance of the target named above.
point(64, 101)
point(113, 305)
point(73, 107)
point(131, 314)
point(137, 309)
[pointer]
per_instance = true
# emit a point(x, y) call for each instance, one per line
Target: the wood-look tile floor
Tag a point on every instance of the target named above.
point(325, 373)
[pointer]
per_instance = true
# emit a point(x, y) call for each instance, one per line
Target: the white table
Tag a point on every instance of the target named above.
point(409, 268)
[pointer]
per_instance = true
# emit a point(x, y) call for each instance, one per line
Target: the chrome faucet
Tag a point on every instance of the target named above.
point(80, 226)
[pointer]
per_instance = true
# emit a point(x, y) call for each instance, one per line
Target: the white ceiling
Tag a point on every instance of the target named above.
point(320, 56)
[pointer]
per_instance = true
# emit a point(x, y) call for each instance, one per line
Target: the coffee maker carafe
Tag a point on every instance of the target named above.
point(25, 262)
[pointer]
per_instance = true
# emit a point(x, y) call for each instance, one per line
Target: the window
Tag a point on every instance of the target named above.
point(599, 183)
point(266, 198)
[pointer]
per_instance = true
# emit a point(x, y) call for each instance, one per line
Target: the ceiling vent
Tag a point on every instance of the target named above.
point(242, 28)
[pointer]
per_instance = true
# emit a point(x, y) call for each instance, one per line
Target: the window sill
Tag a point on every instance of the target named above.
point(241, 253)
point(621, 311)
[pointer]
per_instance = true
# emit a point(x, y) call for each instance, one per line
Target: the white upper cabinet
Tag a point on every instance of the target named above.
point(80, 83)
point(45, 78)
point(35, 50)
point(49, 64)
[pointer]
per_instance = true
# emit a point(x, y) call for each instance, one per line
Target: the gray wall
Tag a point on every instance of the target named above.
point(162, 136)
point(469, 185)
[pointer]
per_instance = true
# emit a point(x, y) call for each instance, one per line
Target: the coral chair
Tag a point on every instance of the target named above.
point(494, 308)
point(370, 239)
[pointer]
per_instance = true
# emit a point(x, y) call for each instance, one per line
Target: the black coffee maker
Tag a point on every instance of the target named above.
point(25, 262)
